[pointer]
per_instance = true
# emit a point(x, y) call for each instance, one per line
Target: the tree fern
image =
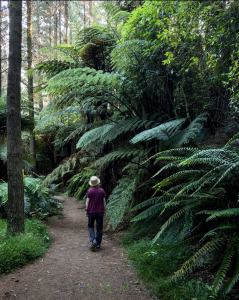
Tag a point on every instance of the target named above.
point(223, 213)
point(150, 202)
point(155, 209)
point(221, 273)
point(200, 257)
point(173, 218)
point(120, 200)
point(161, 132)
point(235, 277)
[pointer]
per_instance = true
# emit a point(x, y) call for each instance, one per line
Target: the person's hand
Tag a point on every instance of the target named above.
point(86, 214)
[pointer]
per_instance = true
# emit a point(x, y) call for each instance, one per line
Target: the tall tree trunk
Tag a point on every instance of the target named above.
point(30, 79)
point(71, 37)
point(90, 14)
point(0, 48)
point(84, 13)
point(39, 47)
point(55, 25)
point(60, 22)
point(14, 160)
point(66, 22)
point(50, 29)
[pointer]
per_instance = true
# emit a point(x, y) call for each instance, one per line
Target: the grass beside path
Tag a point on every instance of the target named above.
point(16, 251)
point(155, 264)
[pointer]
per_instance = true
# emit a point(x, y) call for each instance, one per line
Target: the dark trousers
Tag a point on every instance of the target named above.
point(99, 225)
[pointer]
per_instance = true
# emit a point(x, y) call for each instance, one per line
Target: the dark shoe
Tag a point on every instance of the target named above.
point(98, 248)
point(93, 246)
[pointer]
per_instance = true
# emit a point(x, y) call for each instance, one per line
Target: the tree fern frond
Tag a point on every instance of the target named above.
point(161, 132)
point(187, 135)
point(221, 273)
point(156, 208)
point(233, 166)
point(120, 199)
point(180, 152)
point(198, 259)
point(119, 154)
point(172, 219)
point(177, 177)
point(235, 277)
point(224, 213)
point(65, 53)
point(234, 138)
point(145, 203)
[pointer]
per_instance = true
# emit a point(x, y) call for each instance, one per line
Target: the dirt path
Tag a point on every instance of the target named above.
point(69, 266)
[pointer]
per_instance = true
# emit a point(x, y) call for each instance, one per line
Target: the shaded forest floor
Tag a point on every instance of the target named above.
point(69, 265)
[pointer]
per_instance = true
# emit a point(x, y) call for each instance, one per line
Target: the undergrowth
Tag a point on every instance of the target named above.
point(156, 263)
point(16, 251)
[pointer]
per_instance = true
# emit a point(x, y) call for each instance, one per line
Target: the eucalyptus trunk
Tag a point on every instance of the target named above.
point(0, 48)
point(14, 160)
point(30, 80)
point(90, 14)
point(55, 25)
point(66, 22)
point(39, 47)
point(60, 22)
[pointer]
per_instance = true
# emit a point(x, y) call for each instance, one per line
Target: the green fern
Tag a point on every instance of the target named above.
point(231, 282)
point(120, 200)
point(200, 257)
point(223, 269)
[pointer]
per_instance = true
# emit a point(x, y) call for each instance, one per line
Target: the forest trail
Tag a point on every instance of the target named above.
point(69, 266)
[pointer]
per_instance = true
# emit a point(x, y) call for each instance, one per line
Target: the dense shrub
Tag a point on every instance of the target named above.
point(16, 251)
point(155, 264)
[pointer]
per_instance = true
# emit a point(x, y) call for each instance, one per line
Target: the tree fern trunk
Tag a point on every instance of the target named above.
point(14, 165)
point(232, 196)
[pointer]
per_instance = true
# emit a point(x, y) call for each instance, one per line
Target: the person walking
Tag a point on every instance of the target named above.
point(95, 210)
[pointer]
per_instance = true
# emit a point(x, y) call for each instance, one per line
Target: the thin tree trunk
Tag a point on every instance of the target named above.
point(39, 47)
point(84, 13)
point(186, 104)
point(55, 25)
point(60, 22)
point(30, 79)
point(0, 48)
point(90, 14)
point(14, 160)
point(50, 29)
point(71, 38)
point(66, 22)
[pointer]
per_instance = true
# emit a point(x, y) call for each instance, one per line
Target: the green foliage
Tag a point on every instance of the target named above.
point(16, 251)
point(37, 200)
point(78, 185)
point(166, 58)
point(204, 182)
point(154, 264)
point(120, 200)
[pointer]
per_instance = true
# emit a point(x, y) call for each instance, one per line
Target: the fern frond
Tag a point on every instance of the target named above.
point(198, 259)
point(235, 277)
point(221, 273)
point(223, 213)
point(161, 132)
point(173, 218)
point(151, 201)
point(233, 139)
point(120, 199)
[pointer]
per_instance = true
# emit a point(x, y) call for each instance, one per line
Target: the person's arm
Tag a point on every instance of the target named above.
point(104, 206)
point(86, 206)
